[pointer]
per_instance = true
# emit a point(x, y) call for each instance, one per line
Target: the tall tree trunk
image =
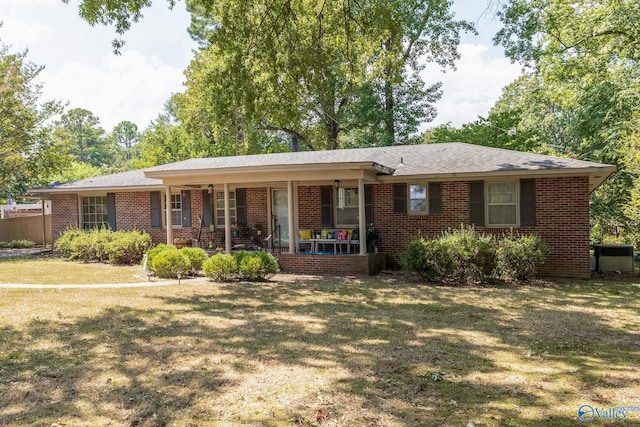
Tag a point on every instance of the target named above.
point(389, 104)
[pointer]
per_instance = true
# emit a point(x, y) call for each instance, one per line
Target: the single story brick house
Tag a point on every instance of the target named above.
point(309, 206)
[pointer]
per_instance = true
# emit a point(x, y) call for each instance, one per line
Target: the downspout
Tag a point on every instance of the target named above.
point(44, 226)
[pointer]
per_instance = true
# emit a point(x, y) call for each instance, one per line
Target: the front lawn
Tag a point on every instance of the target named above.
point(53, 270)
point(310, 351)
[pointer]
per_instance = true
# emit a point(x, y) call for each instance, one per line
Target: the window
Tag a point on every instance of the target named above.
point(346, 207)
point(176, 210)
point(94, 212)
point(220, 208)
point(418, 199)
point(502, 204)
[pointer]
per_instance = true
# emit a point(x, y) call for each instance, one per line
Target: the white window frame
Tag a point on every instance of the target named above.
point(336, 208)
point(426, 199)
point(218, 212)
point(83, 223)
point(488, 204)
point(175, 224)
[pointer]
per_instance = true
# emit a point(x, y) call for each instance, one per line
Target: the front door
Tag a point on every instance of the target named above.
point(280, 215)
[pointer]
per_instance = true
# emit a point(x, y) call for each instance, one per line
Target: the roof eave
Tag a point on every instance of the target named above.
point(373, 166)
point(597, 174)
point(44, 192)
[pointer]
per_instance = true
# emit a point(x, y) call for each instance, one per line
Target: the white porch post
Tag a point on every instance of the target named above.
point(169, 218)
point(292, 236)
point(227, 220)
point(44, 225)
point(362, 221)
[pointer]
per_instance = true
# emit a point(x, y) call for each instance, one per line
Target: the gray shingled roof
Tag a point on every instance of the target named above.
point(436, 160)
point(128, 180)
point(403, 160)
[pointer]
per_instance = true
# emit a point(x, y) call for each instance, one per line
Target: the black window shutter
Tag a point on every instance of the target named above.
point(400, 198)
point(435, 198)
point(476, 199)
point(326, 206)
point(111, 210)
point(368, 204)
point(186, 208)
point(241, 206)
point(155, 209)
point(527, 202)
point(207, 208)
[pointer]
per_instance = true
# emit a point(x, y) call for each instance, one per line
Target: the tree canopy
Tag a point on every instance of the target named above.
point(321, 74)
point(26, 150)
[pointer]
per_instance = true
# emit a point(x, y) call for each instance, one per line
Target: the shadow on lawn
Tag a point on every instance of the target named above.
point(148, 366)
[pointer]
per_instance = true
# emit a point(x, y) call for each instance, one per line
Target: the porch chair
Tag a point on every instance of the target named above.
point(304, 238)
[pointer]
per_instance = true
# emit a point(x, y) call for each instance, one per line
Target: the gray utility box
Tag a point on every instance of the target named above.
point(613, 258)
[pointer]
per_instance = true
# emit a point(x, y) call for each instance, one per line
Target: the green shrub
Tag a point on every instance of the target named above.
point(464, 256)
point(170, 264)
point(89, 245)
point(65, 244)
point(220, 267)
point(270, 264)
point(520, 256)
point(121, 247)
point(17, 244)
point(128, 247)
point(470, 257)
point(256, 265)
point(197, 257)
point(160, 247)
point(460, 255)
point(422, 257)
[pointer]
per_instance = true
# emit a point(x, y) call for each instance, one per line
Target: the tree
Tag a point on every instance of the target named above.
point(586, 55)
point(124, 138)
point(79, 131)
point(317, 69)
point(25, 147)
point(294, 68)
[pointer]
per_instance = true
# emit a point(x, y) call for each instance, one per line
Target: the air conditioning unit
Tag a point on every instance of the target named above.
point(613, 258)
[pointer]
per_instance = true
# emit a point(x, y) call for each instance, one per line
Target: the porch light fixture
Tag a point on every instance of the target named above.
point(210, 188)
point(336, 183)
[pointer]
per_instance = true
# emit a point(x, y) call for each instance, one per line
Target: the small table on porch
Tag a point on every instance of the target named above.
point(315, 244)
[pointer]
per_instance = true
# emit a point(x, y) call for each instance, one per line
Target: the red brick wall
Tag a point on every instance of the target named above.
point(331, 264)
point(309, 208)
point(257, 209)
point(562, 220)
point(64, 213)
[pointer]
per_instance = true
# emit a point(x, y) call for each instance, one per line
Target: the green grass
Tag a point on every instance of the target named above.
point(310, 351)
point(57, 271)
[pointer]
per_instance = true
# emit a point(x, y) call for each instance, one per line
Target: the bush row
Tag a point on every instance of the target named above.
point(114, 247)
point(243, 265)
point(468, 257)
point(169, 262)
point(17, 244)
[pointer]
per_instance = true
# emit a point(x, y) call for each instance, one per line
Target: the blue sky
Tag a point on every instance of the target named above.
point(80, 66)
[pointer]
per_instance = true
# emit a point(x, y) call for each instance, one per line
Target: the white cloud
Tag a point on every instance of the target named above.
point(127, 87)
point(20, 33)
point(474, 87)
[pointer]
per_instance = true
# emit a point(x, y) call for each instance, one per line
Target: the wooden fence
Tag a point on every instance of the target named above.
point(26, 228)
